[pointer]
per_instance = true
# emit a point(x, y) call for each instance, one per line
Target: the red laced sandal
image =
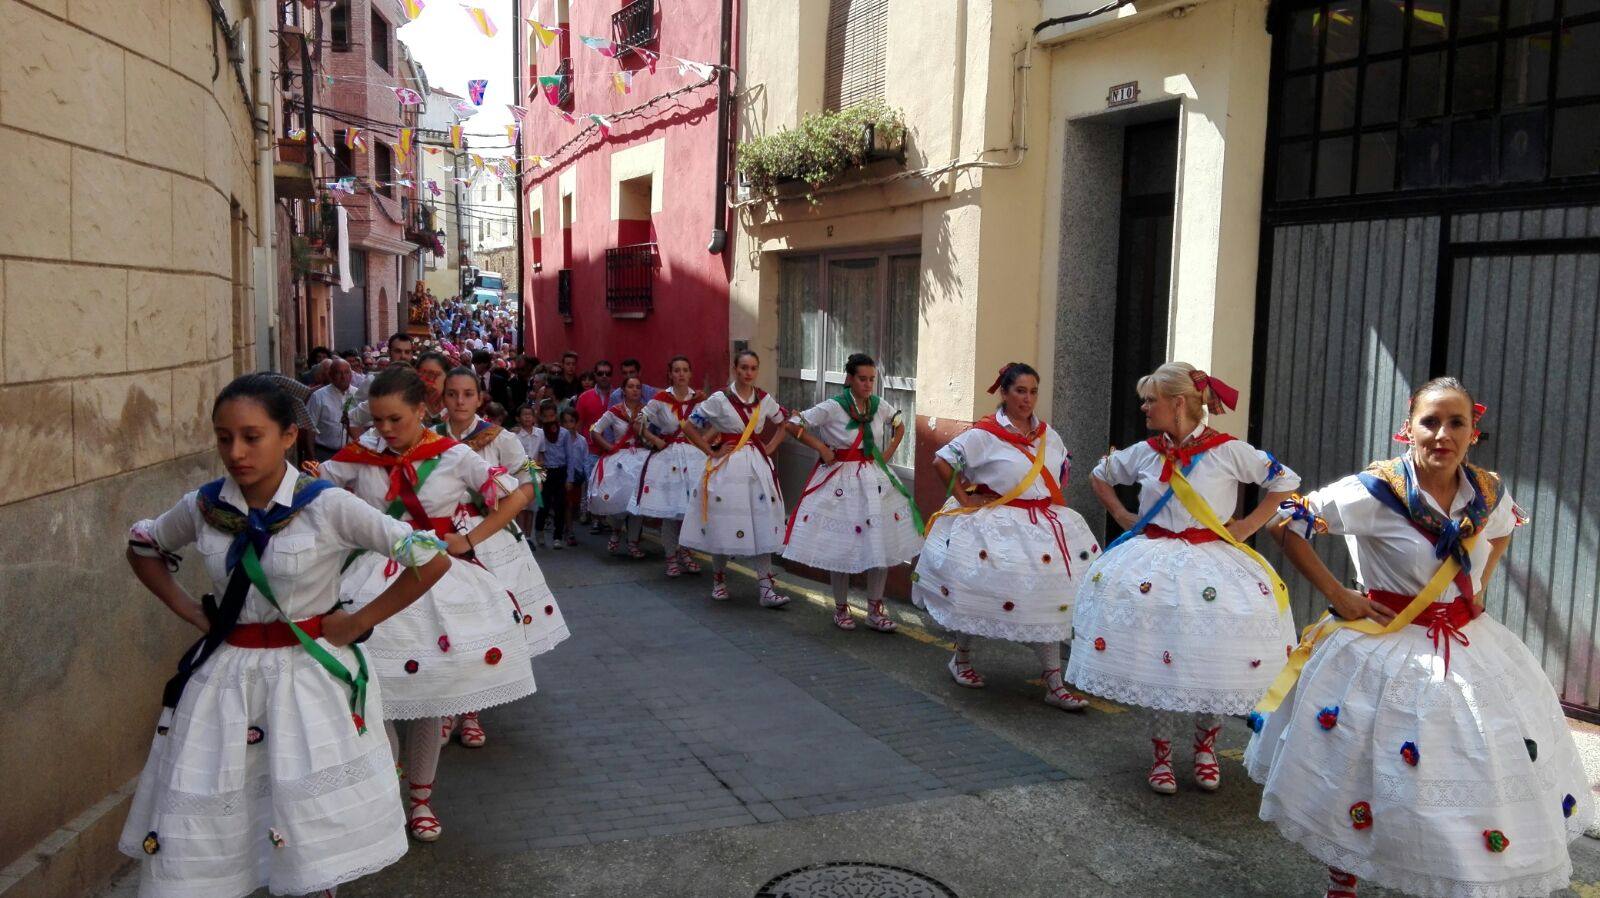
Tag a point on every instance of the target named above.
point(719, 587)
point(687, 562)
point(842, 618)
point(1059, 696)
point(878, 619)
point(470, 732)
point(424, 827)
point(1207, 775)
point(1161, 779)
point(1341, 884)
point(964, 675)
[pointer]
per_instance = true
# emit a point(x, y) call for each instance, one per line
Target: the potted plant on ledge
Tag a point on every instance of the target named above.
point(824, 147)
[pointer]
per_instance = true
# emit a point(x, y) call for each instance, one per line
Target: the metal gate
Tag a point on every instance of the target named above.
point(1359, 313)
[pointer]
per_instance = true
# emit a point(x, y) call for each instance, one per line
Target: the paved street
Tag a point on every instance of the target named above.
point(683, 747)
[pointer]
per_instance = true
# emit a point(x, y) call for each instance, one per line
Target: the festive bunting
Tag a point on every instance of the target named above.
point(603, 46)
point(622, 82)
point(345, 185)
point(413, 8)
point(432, 151)
point(298, 135)
point(354, 139)
point(517, 112)
point(600, 120)
point(650, 58)
point(480, 18)
point(546, 36)
point(551, 84)
point(404, 145)
point(433, 187)
point(701, 70)
point(567, 117)
point(475, 89)
point(463, 109)
point(455, 137)
point(511, 134)
point(477, 161)
point(407, 96)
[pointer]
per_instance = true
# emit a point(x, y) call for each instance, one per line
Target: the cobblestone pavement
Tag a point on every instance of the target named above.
point(679, 746)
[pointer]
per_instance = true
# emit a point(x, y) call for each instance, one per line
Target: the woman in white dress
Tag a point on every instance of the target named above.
point(736, 508)
point(1004, 557)
point(458, 649)
point(854, 515)
point(1422, 747)
point(673, 466)
point(505, 553)
point(269, 766)
point(618, 436)
point(1177, 615)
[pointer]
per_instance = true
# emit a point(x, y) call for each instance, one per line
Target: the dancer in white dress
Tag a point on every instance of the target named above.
point(1422, 747)
point(674, 465)
point(1178, 615)
point(269, 766)
point(458, 649)
point(618, 436)
point(736, 507)
point(1004, 557)
point(505, 553)
point(854, 515)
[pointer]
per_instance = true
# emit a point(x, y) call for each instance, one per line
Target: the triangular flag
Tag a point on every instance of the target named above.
point(407, 96)
point(517, 112)
point(622, 81)
point(700, 69)
point(433, 187)
point(432, 151)
point(463, 109)
point(601, 45)
point(475, 89)
point(413, 8)
point(650, 58)
point(567, 117)
point(536, 160)
point(552, 88)
point(455, 137)
point(480, 18)
point(477, 161)
point(461, 181)
point(546, 36)
point(405, 142)
point(511, 134)
point(600, 120)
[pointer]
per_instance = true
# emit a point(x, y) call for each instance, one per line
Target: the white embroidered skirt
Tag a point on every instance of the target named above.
point(1492, 751)
point(615, 481)
point(743, 511)
point(1000, 572)
point(263, 744)
point(454, 650)
point(853, 522)
point(1177, 626)
point(668, 478)
point(534, 609)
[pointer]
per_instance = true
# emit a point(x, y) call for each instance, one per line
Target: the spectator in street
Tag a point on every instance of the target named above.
point(401, 348)
point(556, 445)
point(564, 384)
point(494, 413)
point(358, 368)
point(314, 358)
point(580, 461)
point(630, 368)
point(330, 407)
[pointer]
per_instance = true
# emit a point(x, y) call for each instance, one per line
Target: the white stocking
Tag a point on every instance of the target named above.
point(840, 582)
point(422, 749)
point(719, 565)
point(963, 643)
point(669, 535)
point(877, 580)
point(1049, 655)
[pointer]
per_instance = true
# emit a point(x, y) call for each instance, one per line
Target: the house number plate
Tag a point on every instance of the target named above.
point(1122, 94)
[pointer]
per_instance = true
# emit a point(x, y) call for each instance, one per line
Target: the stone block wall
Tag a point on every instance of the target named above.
point(124, 264)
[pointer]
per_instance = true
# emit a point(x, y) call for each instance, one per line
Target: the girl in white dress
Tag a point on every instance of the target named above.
point(736, 508)
point(269, 766)
point(1177, 615)
point(505, 553)
point(1422, 747)
point(1004, 557)
point(854, 515)
point(458, 649)
point(622, 456)
point(531, 439)
point(674, 464)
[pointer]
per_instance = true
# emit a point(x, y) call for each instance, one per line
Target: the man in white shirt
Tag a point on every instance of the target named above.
point(329, 408)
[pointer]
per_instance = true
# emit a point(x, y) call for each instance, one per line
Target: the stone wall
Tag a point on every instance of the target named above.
point(125, 237)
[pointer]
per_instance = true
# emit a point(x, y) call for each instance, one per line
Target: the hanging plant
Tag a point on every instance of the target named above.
point(300, 256)
point(823, 147)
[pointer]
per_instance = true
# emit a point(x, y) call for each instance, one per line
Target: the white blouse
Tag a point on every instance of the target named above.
point(504, 451)
point(830, 423)
point(984, 458)
point(302, 560)
point(612, 427)
point(1389, 552)
point(718, 411)
point(663, 416)
point(454, 481)
point(1216, 477)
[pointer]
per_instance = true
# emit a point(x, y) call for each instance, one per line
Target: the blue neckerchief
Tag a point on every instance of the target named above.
point(1385, 481)
point(1147, 517)
point(255, 526)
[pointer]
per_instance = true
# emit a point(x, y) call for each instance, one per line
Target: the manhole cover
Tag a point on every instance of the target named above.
point(854, 879)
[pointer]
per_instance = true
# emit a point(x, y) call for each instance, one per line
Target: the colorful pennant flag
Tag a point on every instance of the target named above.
point(650, 58)
point(475, 89)
point(463, 109)
point(600, 120)
point(622, 81)
point(567, 116)
point(404, 145)
point(413, 8)
point(480, 18)
point(700, 69)
point(546, 36)
point(455, 137)
point(432, 151)
point(604, 46)
point(407, 96)
point(345, 185)
point(355, 141)
point(517, 112)
point(433, 187)
point(551, 85)
point(511, 134)
point(536, 160)
point(477, 161)
point(298, 135)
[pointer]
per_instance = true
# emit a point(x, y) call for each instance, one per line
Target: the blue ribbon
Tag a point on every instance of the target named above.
point(1299, 512)
point(1147, 517)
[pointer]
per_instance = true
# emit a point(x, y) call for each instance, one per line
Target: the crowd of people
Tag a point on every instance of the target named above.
point(1403, 739)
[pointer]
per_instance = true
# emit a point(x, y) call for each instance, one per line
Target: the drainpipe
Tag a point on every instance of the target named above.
point(266, 261)
point(518, 198)
point(719, 206)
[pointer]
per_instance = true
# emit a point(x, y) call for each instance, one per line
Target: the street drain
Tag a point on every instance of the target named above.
point(854, 879)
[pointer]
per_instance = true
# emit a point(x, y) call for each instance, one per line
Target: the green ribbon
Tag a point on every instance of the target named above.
point(357, 683)
point(396, 509)
point(869, 446)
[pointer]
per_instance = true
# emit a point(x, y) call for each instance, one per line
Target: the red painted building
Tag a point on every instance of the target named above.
point(616, 226)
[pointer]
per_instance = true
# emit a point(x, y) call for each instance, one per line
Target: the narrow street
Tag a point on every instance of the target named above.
point(683, 747)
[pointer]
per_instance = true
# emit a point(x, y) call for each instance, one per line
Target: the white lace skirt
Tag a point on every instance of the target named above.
point(262, 744)
point(1493, 753)
point(744, 512)
point(615, 481)
point(535, 610)
point(1176, 626)
point(456, 649)
point(999, 572)
point(854, 522)
point(667, 480)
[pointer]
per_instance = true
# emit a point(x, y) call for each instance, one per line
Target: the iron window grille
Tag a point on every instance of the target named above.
point(634, 25)
point(564, 293)
point(630, 278)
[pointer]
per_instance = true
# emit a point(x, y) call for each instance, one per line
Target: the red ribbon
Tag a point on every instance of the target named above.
point(1178, 457)
point(1228, 396)
point(1442, 620)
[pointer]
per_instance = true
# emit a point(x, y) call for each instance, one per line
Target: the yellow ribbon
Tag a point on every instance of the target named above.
point(713, 464)
point(1327, 624)
point(1200, 509)
point(1018, 490)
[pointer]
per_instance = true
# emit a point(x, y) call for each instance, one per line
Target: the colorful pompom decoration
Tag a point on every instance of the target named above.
point(492, 656)
point(1328, 717)
point(1166, 657)
point(1255, 662)
point(528, 619)
point(151, 844)
point(1095, 578)
point(1361, 815)
point(360, 722)
point(915, 576)
point(551, 609)
point(1099, 643)
point(1256, 720)
point(1568, 804)
point(444, 643)
point(254, 735)
point(1410, 753)
point(838, 493)
point(1009, 606)
point(1209, 594)
point(1263, 587)
point(412, 666)
point(1145, 586)
point(738, 534)
point(275, 837)
point(983, 554)
point(1533, 749)
point(1495, 840)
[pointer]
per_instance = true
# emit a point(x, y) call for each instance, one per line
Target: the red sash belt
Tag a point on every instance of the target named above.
point(1442, 620)
point(273, 635)
point(1195, 535)
point(853, 454)
point(1035, 509)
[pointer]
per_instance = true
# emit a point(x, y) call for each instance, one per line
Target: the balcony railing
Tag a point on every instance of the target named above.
point(634, 25)
point(564, 293)
point(630, 278)
point(564, 89)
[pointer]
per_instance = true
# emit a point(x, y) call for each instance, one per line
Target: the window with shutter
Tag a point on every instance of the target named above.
point(858, 33)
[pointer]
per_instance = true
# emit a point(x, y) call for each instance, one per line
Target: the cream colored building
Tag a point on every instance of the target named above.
point(127, 283)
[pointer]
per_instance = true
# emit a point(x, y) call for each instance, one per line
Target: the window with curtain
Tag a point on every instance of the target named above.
point(858, 37)
point(833, 305)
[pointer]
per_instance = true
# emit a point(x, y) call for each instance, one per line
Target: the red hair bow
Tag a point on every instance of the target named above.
point(1403, 435)
point(995, 387)
point(1227, 396)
